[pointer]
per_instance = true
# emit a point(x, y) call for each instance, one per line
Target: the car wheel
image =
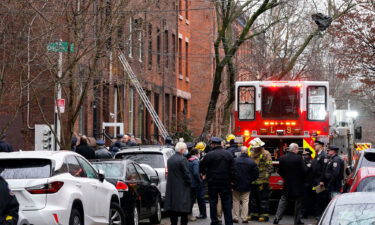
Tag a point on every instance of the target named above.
point(116, 215)
point(75, 217)
point(156, 218)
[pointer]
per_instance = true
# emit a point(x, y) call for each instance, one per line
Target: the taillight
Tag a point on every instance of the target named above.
point(49, 188)
point(121, 186)
point(166, 172)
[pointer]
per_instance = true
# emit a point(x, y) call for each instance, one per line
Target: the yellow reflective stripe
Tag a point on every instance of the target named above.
point(307, 145)
point(8, 218)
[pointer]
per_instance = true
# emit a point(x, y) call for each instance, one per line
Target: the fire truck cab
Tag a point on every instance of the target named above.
point(280, 113)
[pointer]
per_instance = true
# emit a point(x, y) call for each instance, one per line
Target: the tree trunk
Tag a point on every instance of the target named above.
point(230, 99)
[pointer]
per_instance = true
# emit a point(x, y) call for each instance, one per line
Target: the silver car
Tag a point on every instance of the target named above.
point(155, 156)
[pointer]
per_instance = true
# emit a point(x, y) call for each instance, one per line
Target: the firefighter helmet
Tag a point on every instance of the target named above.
point(201, 146)
point(230, 137)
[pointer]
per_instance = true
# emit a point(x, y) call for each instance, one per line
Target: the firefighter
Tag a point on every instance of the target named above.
point(8, 205)
point(259, 197)
point(333, 174)
point(317, 166)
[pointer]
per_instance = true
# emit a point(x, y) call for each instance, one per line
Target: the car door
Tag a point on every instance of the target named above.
point(147, 191)
point(99, 201)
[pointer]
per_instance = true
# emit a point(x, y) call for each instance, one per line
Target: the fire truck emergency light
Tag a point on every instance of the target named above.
point(274, 123)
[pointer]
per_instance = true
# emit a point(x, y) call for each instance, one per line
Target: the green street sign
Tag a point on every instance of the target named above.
point(61, 46)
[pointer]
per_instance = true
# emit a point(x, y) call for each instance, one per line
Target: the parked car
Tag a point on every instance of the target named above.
point(366, 158)
point(139, 196)
point(60, 188)
point(22, 220)
point(152, 174)
point(155, 156)
point(364, 181)
point(350, 208)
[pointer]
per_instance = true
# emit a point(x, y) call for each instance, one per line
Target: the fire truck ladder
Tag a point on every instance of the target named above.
point(143, 95)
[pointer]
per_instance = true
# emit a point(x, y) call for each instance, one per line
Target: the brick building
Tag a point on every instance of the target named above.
point(169, 49)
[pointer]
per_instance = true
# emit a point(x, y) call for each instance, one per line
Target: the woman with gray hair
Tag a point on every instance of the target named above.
point(177, 197)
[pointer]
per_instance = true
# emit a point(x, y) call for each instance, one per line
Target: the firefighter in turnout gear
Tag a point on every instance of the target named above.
point(333, 174)
point(259, 197)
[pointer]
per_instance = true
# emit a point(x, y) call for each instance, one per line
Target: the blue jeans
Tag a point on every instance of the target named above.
point(226, 203)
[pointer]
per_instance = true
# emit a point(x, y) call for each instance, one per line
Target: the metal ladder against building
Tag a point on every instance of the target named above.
point(141, 92)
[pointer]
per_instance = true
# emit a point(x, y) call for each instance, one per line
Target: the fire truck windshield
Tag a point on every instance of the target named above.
point(280, 102)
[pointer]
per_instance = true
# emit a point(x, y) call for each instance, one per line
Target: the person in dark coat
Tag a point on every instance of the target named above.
point(117, 145)
point(177, 196)
point(307, 207)
point(320, 200)
point(101, 152)
point(196, 185)
point(333, 173)
point(233, 148)
point(293, 171)
point(8, 205)
point(84, 149)
point(5, 146)
point(218, 167)
point(245, 172)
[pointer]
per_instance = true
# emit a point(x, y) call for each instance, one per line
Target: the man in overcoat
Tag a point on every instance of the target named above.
point(177, 197)
point(293, 171)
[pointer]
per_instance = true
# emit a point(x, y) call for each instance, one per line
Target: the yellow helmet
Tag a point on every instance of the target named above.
point(201, 146)
point(230, 137)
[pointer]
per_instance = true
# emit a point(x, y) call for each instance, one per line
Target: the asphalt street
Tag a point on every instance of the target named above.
point(287, 220)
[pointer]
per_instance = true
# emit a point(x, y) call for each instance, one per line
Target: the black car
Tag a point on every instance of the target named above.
point(140, 197)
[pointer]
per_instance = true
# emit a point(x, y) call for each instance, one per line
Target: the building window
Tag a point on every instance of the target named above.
point(179, 7)
point(131, 110)
point(130, 37)
point(187, 9)
point(120, 34)
point(187, 59)
point(185, 109)
point(158, 48)
point(179, 56)
point(140, 43)
point(150, 47)
point(174, 52)
point(166, 48)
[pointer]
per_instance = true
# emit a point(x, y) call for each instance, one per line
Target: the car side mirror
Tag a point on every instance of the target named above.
point(154, 180)
point(101, 175)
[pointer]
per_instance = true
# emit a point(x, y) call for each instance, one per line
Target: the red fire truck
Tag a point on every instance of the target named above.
point(280, 113)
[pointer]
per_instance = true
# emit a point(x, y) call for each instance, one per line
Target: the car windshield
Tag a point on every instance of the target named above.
point(155, 160)
point(280, 102)
point(350, 214)
point(111, 170)
point(367, 185)
point(25, 168)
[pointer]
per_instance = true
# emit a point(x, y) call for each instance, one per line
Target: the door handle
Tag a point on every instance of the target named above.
point(79, 185)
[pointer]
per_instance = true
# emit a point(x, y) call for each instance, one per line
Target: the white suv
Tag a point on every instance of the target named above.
point(60, 188)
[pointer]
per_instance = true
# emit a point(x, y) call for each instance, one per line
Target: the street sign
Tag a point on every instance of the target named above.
point(61, 46)
point(61, 104)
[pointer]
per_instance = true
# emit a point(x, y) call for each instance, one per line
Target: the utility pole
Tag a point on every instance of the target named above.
point(59, 96)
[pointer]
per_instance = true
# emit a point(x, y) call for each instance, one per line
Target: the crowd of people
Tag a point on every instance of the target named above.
point(237, 180)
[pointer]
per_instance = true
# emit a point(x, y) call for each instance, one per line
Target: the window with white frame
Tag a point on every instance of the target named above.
point(130, 37)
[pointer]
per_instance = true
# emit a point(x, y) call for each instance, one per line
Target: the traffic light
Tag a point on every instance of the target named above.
point(358, 133)
point(47, 139)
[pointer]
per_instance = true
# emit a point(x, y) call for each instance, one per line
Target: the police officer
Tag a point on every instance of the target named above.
point(333, 174)
point(317, 166)
point(307, 207)
point(8, 205)
point(259, 197)
point(218, 166)
point(233, 146)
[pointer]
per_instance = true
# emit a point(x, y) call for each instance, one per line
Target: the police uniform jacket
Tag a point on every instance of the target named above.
point(317, 167)
point(8, 205)
point(334, 174)
point(218, 165)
